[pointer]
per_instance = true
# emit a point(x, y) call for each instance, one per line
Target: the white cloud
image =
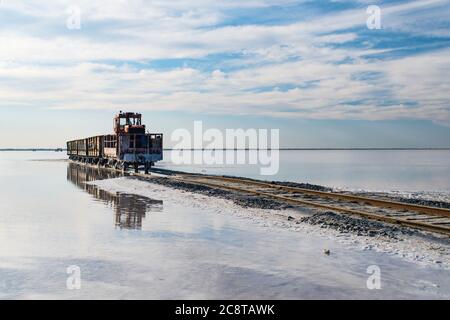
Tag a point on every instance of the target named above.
point(43, 64)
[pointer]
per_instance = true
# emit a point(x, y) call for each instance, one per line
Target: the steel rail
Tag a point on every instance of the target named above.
point(393, 219)
point(441, 212)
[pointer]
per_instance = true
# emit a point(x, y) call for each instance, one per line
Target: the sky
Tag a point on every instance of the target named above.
point(312, 69)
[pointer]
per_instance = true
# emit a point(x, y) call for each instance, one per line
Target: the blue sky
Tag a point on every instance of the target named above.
point(309, 68)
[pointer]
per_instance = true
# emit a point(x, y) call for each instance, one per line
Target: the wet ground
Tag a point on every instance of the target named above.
point(128, 244)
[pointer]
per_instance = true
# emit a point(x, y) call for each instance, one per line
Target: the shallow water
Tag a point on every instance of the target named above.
point(376, 170)
point(129, 209)
point(129, 246)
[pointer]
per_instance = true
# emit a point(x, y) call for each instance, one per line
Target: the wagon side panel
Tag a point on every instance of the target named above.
point(109, 149)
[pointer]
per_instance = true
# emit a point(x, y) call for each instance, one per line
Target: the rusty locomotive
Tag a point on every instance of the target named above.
point(130, 145)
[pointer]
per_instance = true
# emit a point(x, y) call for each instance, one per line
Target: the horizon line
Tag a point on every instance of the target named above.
point(253, 149)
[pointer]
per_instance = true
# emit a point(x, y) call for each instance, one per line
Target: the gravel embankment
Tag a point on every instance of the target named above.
point(332, 220)
point(393, 197)
point(246, 201)
point(417, 201)
point(361, 227)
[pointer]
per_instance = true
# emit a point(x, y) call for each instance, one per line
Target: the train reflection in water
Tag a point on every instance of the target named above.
point(129, 209)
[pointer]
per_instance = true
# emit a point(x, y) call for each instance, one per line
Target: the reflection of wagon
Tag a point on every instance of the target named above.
point(129, 209)
point(130, 145)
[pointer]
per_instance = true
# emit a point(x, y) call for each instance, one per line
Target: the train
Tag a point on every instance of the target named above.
point(129, 146)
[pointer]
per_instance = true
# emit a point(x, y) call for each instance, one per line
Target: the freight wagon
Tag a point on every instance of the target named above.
point(130, 145)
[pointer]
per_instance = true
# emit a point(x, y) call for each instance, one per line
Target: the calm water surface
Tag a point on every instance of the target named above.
point(129, 246)
point(378, 170)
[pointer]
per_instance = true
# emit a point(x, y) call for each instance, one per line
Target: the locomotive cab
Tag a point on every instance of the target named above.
point(128, 122)
point(135, 146)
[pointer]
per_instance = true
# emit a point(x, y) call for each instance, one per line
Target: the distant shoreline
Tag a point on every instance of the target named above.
point(34, 149)
point(247, 149)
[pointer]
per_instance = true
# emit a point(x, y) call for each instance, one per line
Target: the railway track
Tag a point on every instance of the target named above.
point(416, 216)
point(427, 218)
